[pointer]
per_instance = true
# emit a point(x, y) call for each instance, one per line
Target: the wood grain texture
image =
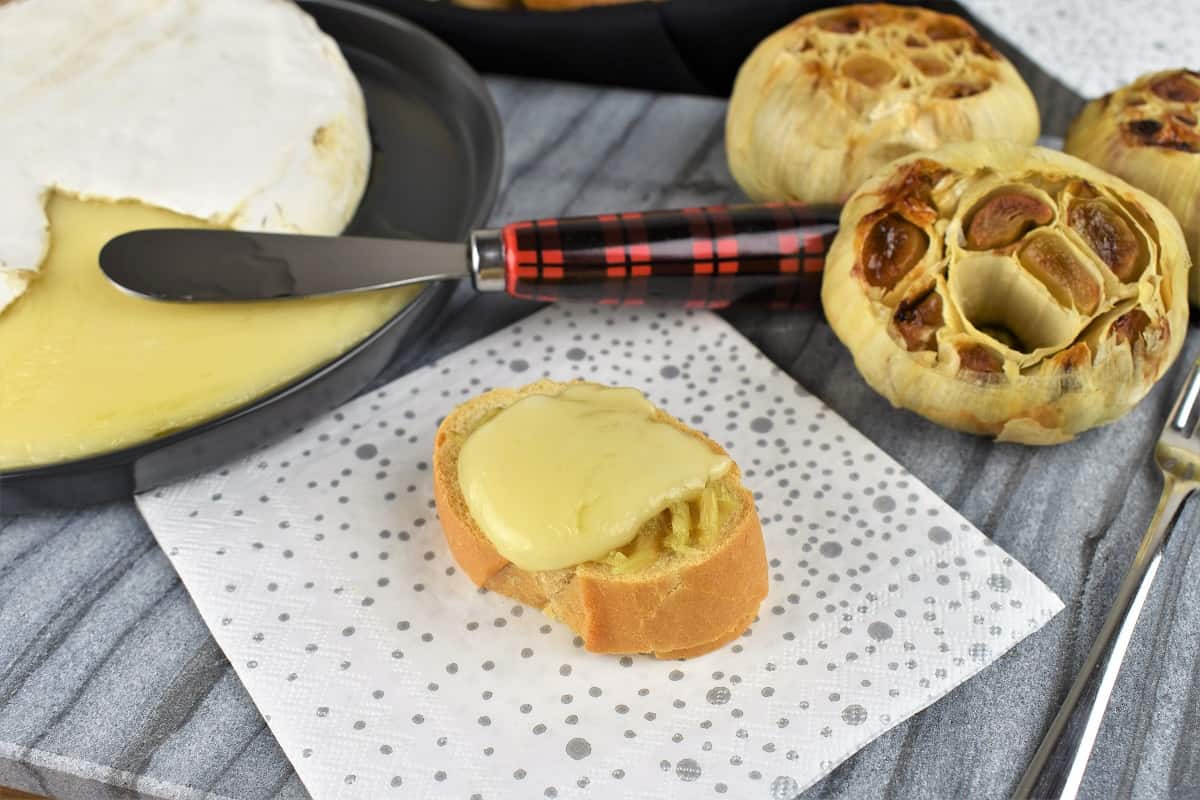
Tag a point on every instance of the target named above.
point(110, 685)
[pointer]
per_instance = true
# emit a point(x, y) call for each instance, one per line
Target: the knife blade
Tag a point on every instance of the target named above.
point(221, 265)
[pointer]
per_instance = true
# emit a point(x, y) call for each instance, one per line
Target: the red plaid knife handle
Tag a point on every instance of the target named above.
point(695, 257)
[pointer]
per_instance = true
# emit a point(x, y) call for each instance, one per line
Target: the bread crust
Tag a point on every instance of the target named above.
point(692, 608)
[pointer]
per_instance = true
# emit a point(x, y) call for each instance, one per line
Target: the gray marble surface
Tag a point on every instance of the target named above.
point(110, 685)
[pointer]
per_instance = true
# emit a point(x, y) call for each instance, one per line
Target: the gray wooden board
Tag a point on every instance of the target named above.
point(108, 677)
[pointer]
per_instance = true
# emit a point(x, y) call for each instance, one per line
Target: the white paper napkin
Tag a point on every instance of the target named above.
point(319, 565)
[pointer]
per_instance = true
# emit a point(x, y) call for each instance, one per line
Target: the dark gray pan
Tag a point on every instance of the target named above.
point(437, 160)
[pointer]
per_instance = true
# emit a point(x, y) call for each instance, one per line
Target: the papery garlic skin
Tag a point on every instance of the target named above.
point(825, 102)
point(1148, 134)
point(1029, 337)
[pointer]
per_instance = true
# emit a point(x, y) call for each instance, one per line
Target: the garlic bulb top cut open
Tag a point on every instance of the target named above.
point(1007, 290)
point(1149, 134)
point(825, 102)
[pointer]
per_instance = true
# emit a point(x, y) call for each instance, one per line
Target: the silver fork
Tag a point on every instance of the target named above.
point(1056, 770)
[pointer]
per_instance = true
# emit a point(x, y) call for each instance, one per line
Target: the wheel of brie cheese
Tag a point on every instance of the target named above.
point(1010, 291)
point(161, 113)
point(825, 102)
point(1149, 134)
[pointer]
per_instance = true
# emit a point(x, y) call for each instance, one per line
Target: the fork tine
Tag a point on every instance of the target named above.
point(1183, 418)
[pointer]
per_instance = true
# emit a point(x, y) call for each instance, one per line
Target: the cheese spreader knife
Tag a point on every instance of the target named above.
point(697, 257)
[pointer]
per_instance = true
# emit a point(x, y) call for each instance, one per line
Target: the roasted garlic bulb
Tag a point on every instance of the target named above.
point(1005, 290)
point(1147, 134)
point(822, 104)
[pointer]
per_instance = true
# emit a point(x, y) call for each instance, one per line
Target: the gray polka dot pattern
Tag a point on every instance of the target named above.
point(879, 631)
point(579, 748)
point(854, 714)
point(688, 770)
point(385, 673)
point(830, 549)
point(939, 535)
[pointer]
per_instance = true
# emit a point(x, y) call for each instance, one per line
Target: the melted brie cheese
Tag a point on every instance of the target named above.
point(556, 480)
point(85, 368)
point(130, 114)
point(239, 112)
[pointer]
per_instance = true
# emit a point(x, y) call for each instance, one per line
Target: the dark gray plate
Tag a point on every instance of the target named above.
point(437, 160)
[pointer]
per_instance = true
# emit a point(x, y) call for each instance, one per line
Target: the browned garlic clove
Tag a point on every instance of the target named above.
point(947, 28)
point(977, 358)
point(1130, 326)
point(1005, 217)
point(930, 66)
point(1109, 236)
point(918, 321)
point(1168, 133)
point(843, 22)
point(868, 70)
point(892, 247)
point(956, 90)
point(911, 191)
point(1177, 88)
point(1051, 261)
point(1075, 357)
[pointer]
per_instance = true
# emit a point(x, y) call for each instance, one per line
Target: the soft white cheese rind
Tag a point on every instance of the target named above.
point(236, 111)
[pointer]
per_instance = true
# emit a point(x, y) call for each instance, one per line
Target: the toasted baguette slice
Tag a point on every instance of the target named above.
point(682, 605)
